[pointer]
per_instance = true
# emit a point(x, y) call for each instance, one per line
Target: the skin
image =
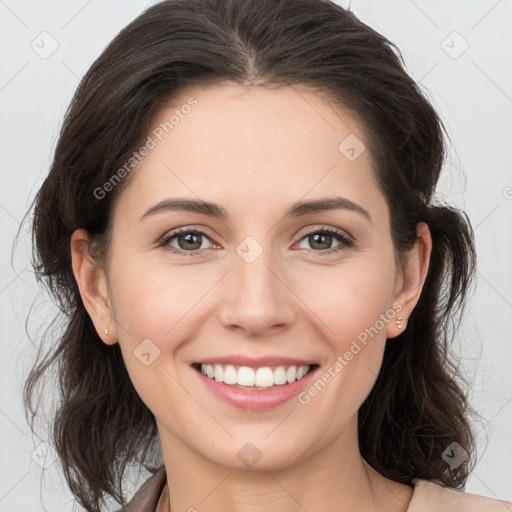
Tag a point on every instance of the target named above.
point(256, 152)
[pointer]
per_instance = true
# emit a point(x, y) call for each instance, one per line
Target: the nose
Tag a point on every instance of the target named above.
point(257, 298)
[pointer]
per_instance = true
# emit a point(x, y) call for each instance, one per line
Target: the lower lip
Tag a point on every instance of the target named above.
point(256, 400)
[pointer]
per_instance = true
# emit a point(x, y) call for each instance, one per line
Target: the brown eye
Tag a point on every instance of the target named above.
point(321, 240)
point(188, 241)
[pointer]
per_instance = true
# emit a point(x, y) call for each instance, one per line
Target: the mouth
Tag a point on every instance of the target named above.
point(263, 378)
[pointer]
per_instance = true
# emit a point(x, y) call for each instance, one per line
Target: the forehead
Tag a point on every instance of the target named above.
point(245, 145)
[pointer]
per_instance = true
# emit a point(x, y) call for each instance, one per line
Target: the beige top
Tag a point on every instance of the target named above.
point(426, 497)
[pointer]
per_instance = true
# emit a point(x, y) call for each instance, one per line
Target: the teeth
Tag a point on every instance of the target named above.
point(291, 374)
point(264, 377)
point(218, 373)
point(230, 374)
point(245, 376)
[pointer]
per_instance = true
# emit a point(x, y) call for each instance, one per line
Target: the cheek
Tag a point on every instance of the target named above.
point(349, 301)
point(151, 313)
point(156, 307)
point(151, 299)
point(353, 310)
point(357, 310)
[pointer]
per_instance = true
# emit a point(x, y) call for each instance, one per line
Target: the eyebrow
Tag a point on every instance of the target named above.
point(217, 211)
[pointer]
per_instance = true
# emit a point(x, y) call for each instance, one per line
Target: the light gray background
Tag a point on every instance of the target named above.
point(472, 91)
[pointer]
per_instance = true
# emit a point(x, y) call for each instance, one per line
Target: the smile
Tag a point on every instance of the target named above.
point(254, 388)
point(246, 377)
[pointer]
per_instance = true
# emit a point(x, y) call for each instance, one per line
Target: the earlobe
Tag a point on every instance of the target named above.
point(92, 284)
point(414, 276)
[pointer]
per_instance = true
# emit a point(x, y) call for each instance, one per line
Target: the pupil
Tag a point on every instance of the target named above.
point(317, 236)
point(189, 240)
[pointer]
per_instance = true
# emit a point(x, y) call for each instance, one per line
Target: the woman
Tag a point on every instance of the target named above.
point(240, 224)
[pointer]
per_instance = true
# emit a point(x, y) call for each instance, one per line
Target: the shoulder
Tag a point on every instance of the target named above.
point(430, 497)
point(147, 496)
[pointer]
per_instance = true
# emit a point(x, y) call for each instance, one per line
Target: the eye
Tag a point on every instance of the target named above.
point(189, 241)
point(320, 240)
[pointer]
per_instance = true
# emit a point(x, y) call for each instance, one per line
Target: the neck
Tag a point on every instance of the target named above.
point(335, 478)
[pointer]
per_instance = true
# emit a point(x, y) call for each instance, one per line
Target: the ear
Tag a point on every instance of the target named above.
point(92, 283)
point(411, 281)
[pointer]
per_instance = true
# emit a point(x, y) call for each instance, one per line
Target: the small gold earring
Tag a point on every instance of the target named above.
point(399, 322)
point(106, 332)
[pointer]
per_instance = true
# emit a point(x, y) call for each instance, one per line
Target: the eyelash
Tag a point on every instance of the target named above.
point(345, 242)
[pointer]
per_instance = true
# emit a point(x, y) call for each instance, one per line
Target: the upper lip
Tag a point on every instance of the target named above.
point(258, 362)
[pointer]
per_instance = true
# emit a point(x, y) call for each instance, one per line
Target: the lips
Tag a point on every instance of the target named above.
point(255, 384)
point(253, 398)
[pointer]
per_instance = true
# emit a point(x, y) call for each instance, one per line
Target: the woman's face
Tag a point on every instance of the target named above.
point(265, 280)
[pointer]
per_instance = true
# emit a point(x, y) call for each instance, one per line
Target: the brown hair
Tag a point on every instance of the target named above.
point(417, 406)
